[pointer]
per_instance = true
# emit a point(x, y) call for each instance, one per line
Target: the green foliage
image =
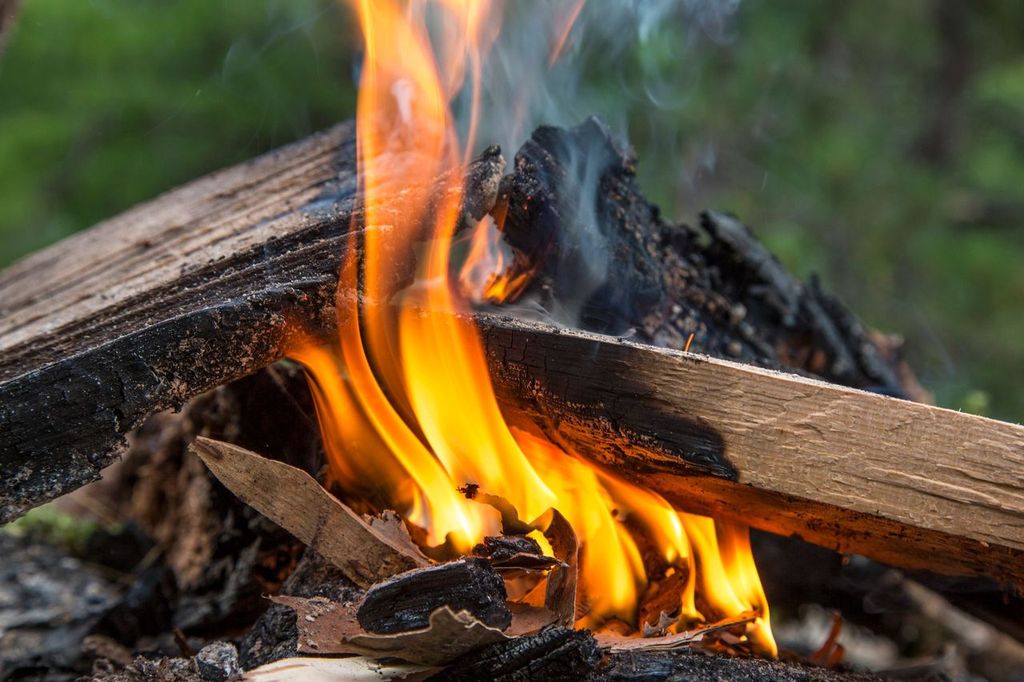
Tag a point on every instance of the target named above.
point(105, 103)
point(52, 526)
point(818, 116)
point(809, 120)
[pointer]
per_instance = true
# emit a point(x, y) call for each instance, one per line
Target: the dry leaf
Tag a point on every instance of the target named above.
point(366, 554)
point(560, 594)
point(389, 524)
point(614, 643)
point(354, 669)
point(327, 627)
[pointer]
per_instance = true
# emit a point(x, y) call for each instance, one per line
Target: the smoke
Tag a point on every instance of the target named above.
point(556, 63)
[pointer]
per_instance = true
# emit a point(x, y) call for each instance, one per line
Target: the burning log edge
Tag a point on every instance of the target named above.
point(209, 283)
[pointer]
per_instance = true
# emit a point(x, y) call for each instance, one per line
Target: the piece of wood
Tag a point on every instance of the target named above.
point(197, 288)
point(150, 308)
point(905, 483)
point(405, 601)
point(294, 500)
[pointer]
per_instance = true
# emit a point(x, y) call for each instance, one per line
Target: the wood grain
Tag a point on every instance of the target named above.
point(172, 298)
point(910, 484)
point(293, 499)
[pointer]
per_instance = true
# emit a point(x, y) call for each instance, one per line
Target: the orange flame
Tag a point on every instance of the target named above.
point(405, 402)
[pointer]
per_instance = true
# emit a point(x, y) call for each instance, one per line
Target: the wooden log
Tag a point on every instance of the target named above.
point(908, 484)
point(205, 284)
point(197, 288)
point(150, 308)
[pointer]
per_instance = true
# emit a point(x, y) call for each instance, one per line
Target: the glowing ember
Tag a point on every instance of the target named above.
point(405, 401)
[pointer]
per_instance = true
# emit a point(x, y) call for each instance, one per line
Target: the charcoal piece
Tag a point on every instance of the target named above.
point(605, 260)
point(555, 654)
point(406, 601)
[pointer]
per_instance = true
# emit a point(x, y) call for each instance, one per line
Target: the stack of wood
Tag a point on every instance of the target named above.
point(157, 308)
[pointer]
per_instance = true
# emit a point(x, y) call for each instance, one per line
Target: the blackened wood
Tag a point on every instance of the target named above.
point(199, 287)
point(553, 655)
point(561, 654)
point(159, 304)
point(504, 547)
point(687, 664)
point(406, 601)
point(609, 263)
point(204, 285)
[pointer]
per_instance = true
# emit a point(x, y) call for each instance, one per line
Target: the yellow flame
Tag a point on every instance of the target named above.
point(405, 402)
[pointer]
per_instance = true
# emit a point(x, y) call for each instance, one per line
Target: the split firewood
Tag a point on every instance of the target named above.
point(309, 512)
point(195, 289)
point(907, 484)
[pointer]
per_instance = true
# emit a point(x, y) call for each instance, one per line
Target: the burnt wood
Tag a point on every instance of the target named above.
point(199, 287)
point(560, 654)
point(208, 283)
point(405, 601)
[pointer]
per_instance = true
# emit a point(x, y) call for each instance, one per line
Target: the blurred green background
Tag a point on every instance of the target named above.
point(880, 144)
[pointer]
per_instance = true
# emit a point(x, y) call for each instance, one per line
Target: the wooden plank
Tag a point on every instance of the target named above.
point(909, 484)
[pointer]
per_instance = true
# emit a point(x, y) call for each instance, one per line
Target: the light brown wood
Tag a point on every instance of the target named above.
point(294, 500)
point(910, 484)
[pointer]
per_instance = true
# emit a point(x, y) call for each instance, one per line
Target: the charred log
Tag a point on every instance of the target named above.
point(406, 601)
point(606, 261)
point(249, 255)
point(555, 654)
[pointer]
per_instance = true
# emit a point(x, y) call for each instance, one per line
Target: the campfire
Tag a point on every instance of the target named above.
point(407, 411)
point(461, 389)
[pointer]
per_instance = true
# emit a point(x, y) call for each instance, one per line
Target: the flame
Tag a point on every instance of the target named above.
point(405, 402)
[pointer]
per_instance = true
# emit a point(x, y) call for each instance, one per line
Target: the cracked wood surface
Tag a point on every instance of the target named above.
point(150, 308)
point(198, 287)
point(906, 483)
point(194, 289)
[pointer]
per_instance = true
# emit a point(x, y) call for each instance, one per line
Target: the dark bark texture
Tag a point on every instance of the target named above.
point(207, 283)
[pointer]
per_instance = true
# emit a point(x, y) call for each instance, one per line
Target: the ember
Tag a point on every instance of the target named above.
point(406, 407)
